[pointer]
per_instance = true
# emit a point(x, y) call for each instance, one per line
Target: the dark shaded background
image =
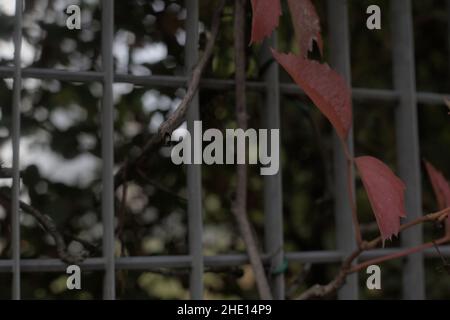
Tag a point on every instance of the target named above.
point(61, 144)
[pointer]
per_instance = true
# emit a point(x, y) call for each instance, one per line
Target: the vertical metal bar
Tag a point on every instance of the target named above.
point(107, 112)
point(194, 175)
point(273, 194)
point(407, 135)
point(15, 210)
point(340, 60)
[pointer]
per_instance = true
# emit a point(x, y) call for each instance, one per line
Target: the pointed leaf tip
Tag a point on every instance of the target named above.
point(266, 14)
point(441, 188)
point(306, 25)
point(386, 194)
point(324, 86)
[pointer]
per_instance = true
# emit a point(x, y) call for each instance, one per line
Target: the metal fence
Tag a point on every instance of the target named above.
point(404, 94)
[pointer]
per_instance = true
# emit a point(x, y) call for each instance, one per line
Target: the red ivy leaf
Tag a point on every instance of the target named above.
point(306, 25)
point(441, 189)
point(266, 14)
point(325, 87)
point(386, 194)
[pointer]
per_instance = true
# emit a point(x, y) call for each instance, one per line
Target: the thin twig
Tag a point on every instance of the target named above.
point(319, 291)
point(121, 213)
point(50, 227)
point(177, 117)
point(239, 207)
point(444, 262)
point(397, 255)
point(160, 187)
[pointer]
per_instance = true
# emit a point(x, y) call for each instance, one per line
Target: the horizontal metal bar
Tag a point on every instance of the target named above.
point(184, 261)
point(207, 83)
point(431, 97)
point(54, 74)
point(51, 265)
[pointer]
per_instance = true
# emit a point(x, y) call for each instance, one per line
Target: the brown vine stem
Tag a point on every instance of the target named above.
point(177, 117)
point(50, 227)
point(239, 208)
point(400, 254)
point(182, 200)
point(320, 291)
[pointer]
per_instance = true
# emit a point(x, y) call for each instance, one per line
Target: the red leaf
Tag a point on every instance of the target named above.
point(441, 189)
point(266, 14)
point(386, 194)
point(306, 25)
point(325, 87)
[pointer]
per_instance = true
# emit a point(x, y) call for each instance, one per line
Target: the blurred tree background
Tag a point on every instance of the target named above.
point(61, 146)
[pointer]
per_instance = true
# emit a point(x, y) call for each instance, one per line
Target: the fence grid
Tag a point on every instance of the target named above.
point(404, 94)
